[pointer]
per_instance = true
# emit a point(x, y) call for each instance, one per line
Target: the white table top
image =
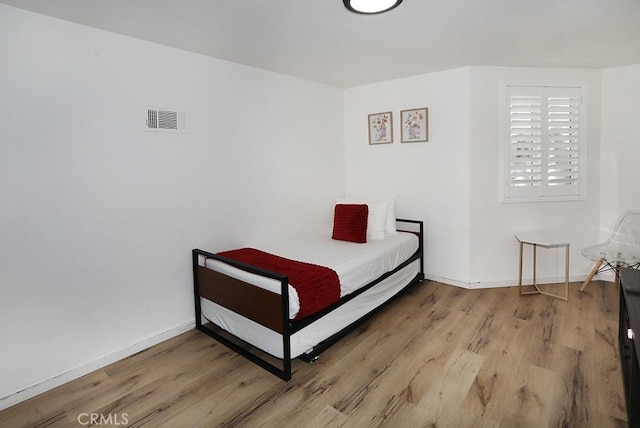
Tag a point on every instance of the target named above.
point(544, 238)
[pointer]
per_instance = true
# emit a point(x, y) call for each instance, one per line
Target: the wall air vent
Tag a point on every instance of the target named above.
point(161, 120)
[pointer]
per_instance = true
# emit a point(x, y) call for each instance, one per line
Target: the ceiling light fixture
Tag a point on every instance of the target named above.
point(370, 7)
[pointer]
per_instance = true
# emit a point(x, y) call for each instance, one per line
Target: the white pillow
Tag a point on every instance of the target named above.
point(391, 217)
point(381, 218)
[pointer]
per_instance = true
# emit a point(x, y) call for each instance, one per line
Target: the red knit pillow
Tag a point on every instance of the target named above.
point(350, 223)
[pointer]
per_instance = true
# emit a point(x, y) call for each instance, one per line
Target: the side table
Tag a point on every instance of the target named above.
point(545, 239)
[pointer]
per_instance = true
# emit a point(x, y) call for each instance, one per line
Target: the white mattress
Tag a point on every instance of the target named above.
point(355, 264)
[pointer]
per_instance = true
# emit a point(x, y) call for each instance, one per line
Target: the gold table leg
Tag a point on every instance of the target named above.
point(535, 281)
point(535, 285)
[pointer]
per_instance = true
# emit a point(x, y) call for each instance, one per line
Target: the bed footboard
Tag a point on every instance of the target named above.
point(255, 303)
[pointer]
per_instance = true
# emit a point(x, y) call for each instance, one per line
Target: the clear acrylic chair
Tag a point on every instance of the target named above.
point(622, 248)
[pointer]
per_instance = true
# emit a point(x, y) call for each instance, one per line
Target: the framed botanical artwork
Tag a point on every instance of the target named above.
point(415, 125)
point(381, 128)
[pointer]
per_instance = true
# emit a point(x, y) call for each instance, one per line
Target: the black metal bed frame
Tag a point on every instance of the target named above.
point(289, 327)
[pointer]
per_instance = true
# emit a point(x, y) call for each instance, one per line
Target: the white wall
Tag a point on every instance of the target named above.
point(620, 143)
point(432, 178)
point(452, 181)
point(98, 217)
point(494, 250)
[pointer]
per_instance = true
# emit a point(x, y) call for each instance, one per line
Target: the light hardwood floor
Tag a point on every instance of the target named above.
point(439, 356)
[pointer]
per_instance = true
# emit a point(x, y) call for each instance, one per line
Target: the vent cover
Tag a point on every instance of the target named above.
point(165, 121)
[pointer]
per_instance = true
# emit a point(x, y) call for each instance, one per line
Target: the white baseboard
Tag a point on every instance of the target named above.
point(445, 280)
point(509, 283)
point(48, 384)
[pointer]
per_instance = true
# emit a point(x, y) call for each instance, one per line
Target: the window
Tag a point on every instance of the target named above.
point(543, 150)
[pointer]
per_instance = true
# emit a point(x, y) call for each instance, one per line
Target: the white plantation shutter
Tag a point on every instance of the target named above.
point(543, 151)
point(525, 139)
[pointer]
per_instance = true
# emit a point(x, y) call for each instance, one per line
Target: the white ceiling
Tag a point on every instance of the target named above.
point(320, 40)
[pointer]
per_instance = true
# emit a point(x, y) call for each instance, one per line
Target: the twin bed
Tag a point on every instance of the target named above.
point(255, 310)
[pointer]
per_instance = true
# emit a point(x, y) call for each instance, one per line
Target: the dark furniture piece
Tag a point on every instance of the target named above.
point(629, 339)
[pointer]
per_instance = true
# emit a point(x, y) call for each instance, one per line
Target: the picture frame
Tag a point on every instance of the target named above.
point(381, 128)
point(415, 125)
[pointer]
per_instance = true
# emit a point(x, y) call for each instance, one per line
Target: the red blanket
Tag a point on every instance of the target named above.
point(317, 286)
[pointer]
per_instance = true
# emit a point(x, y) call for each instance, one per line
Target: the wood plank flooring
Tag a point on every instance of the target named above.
point(439, 356)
